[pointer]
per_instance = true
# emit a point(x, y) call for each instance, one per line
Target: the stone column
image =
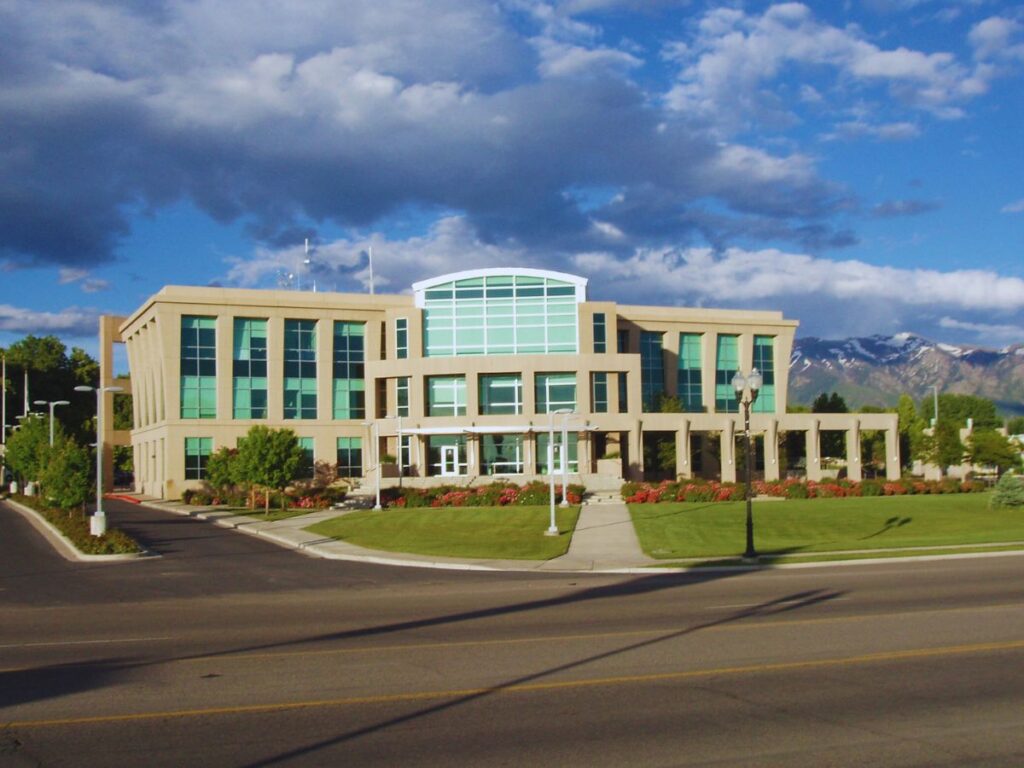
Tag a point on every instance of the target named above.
point(771, 450)
point(683, 466)
point(853, 458)
point(728, 451)
point(814, 451)
point(892, 453)
point(636, 451)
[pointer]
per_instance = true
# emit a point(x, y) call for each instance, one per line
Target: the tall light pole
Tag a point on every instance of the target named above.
point(98, 521)
point(750, 383)
point(935, 402)
point(398, 418)
point(553, 527)
point(375, 439)
point(53, 404)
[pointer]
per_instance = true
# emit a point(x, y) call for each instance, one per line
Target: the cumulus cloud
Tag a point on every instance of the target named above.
point(71, 322)
point(727, 73)
point(990, 333)
point(703, 274)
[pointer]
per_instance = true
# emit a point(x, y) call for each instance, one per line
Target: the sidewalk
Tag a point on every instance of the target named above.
point(604, 540)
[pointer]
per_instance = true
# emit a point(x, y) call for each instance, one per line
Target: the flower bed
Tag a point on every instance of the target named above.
point(493, 495)
point(711, 490)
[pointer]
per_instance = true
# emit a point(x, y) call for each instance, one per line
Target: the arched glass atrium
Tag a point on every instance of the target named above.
point(506, 312)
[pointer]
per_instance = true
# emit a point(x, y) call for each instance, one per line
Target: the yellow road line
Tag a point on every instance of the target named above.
point(709, 626)
point(870, 658)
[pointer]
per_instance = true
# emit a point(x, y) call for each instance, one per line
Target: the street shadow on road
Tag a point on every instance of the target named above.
point(793, 602)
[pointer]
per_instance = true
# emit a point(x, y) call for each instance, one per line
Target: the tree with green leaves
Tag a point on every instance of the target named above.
point(833, 442)
point(53, 375)
point(224, 469)
point(959, 408)
point(66, 475)
point(27, 447)
point(1015, 426)
point(988, 448)
point(911, 426)
point(1009, 491)
point(943, 447)
point(270, 459)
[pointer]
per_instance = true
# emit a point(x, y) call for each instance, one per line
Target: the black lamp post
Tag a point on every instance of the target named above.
point(750, 383)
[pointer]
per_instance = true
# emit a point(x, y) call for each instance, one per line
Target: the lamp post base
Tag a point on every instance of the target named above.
point(551, 532)
point(98, 524)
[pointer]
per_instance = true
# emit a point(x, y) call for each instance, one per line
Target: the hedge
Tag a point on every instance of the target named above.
point(493, 495)
point(712, 490)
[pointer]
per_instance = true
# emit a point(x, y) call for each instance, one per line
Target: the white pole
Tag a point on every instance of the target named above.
point(565, 460)
point(376, 455)
point(553, 526)
point(369, 252)
point(25, 413)
point(399, 417)
point(98, 523)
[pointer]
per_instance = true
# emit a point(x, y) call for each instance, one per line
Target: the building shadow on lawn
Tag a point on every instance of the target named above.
point(796, 601)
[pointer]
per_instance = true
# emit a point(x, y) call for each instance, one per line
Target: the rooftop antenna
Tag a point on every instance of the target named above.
point(307, 261)
point(369, 252)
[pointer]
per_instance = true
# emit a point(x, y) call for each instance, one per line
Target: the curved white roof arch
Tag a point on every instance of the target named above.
point(420, 288)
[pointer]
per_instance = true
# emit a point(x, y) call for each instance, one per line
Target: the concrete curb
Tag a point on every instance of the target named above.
point(292, 537)
point(64, 546)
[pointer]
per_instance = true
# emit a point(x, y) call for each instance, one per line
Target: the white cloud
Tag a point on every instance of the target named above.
point(701, 274)
point(562, 60)
point(997, 38)
point(990, 333)
point(1017, 206)
point(727, 72)
point(72, 321)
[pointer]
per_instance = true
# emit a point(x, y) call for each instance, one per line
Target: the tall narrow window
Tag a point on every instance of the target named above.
point(555, 392)
point(764, 361)
point(501, 394)
point(300, 369)
point(599, 392)
point(401, 338)
point(350, 457)
point(402, 395)
point(197, 453)
point(349, 370)
point(600, 333)
point(198, 367)
point(623, 394)
point(249, 363)
point(727, 363)
point(446, 396)
point(652, 369)
point(689, 386)
point(622, 339)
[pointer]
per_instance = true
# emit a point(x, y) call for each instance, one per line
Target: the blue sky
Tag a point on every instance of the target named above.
point(857, 165)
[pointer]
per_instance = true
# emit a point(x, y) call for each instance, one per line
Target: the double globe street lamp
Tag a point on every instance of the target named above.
point(53, 404)
point(750, 383)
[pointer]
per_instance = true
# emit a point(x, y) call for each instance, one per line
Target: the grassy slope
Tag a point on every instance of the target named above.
point(512, 533)
point(823, 525)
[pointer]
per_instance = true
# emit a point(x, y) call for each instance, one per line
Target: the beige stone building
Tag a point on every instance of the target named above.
point(471, 376)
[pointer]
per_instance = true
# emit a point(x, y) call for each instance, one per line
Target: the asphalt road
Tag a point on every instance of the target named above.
point(227, 651)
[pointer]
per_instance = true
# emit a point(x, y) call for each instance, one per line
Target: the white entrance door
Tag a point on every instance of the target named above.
point(449, 460)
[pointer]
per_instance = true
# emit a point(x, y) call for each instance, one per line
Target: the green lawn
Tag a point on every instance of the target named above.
point(506, 533)
point(697, 530)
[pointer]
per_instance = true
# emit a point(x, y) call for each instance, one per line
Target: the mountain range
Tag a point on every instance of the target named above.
point(876, 370)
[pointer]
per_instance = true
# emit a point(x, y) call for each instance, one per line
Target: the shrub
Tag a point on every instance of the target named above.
point(871, 488)
point(1009, 491)
point(797, 491)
